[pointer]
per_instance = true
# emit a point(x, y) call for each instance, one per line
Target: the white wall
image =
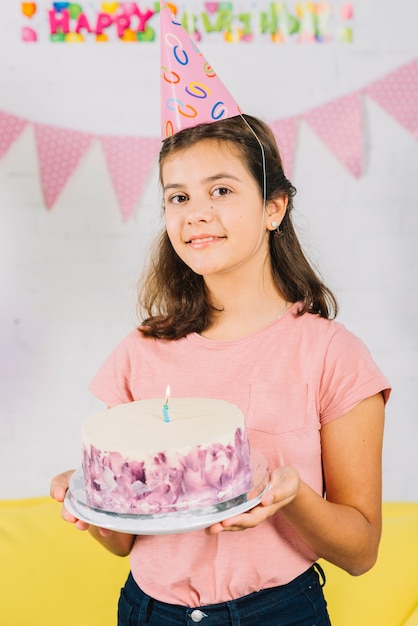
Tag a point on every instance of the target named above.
point(68, 275)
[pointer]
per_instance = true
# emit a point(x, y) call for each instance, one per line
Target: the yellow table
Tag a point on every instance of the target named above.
point(53, 575)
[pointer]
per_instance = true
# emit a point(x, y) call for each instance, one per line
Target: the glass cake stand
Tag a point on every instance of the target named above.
point(168, 523)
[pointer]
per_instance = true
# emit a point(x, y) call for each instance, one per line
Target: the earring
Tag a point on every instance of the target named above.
point(276, 227)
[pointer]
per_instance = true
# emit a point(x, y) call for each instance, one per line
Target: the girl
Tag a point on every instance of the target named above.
point(233, 310)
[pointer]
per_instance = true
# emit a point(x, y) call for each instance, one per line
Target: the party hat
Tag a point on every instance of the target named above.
point(191, 91)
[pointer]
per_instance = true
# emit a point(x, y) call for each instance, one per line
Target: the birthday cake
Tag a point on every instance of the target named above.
point(136, 462)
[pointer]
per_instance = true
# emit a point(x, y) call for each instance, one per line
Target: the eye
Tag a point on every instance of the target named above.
point(177, 198)
point(221, 191)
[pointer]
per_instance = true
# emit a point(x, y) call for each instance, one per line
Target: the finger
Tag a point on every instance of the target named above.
point(58, 493)
point(240, 522)
point(284, 484)
point(67, 516)
point(246, 520)
point(59, 485)
point(81, 525)
point(215, 529)
point(270, 499)
point(71, 519)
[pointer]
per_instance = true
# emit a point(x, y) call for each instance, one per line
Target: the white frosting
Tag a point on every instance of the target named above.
point(139, 427)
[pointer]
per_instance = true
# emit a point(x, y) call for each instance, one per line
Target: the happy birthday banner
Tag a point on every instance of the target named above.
point(338, 124)
point(70, 22)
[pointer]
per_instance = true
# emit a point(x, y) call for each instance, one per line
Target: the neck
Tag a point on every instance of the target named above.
point(246, 304)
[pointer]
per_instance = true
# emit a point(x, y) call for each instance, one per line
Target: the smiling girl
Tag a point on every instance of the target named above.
point(233, 310)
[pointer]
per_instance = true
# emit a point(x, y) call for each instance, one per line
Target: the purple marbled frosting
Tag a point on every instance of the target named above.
point(168, 481)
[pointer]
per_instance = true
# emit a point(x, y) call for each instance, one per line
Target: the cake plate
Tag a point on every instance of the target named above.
point(168, 523)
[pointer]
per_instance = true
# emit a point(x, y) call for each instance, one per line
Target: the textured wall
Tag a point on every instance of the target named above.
point(68, 275)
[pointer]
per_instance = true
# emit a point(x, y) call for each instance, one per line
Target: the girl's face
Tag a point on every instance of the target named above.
point(213, 209)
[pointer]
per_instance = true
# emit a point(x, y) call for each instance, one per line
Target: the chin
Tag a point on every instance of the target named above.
point(204, 272)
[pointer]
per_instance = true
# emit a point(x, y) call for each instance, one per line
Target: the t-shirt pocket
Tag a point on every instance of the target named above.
point(283, 425)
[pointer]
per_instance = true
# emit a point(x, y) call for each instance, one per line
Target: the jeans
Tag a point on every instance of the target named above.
point(299, 603)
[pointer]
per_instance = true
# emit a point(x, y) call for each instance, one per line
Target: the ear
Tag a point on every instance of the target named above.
point(276, 210)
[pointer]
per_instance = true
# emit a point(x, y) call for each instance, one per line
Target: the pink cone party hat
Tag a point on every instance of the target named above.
point(191, 92)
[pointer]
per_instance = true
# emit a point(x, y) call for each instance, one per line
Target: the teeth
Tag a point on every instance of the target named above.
point(200, 240)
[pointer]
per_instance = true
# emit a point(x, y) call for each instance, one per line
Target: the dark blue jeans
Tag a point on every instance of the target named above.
point(299, 603)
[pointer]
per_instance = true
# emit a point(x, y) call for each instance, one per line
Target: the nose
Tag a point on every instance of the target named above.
point(199, 211)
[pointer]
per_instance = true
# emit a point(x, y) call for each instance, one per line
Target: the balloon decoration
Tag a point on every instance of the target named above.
point(303, 22)
point(28, 8)
point(28, 34)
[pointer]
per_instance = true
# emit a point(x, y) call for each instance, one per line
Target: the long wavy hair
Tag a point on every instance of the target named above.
point(173, 297)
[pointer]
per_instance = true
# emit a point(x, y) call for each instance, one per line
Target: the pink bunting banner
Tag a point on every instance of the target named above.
point(338, 124)
point(285, 133)
point(129, 160)
point(10, 129)
point(397, 94)
point(59, 153)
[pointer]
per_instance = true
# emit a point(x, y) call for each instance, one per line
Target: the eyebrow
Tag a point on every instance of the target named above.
point(209, 179)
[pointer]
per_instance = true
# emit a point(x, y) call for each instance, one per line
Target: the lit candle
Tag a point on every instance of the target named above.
point(165, 407)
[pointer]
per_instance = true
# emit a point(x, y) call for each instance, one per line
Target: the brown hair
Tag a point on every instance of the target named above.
point(174, 297)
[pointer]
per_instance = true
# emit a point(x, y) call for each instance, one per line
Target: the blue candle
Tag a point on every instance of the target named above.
point(165, 413)
point(165, 407)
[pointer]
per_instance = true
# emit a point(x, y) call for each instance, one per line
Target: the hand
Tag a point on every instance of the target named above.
point(58, 489)
point(284, 486)
point(59, 485)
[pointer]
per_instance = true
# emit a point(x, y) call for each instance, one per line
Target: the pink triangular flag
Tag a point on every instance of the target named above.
point(339, 124)
point(397, 94)
point(59, 152)
point(285, 132)
point(129, 160)
point(10, 128)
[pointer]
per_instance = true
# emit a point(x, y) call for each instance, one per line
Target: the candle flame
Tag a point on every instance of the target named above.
point(167, 394)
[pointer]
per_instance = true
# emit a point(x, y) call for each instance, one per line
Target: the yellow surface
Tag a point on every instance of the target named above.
point(412, 619)
point(54, 575)
point(388, 594)
point(51, 574)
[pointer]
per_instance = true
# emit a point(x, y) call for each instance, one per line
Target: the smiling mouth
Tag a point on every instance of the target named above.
point(197, 240)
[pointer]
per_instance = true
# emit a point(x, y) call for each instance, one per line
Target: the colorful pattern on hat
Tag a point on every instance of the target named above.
point(191, 91)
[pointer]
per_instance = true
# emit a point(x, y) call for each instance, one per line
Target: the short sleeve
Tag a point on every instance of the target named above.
point(112, 381)
point(349, 376)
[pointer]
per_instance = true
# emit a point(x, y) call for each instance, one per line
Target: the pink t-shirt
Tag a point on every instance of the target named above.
point(288, 379)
